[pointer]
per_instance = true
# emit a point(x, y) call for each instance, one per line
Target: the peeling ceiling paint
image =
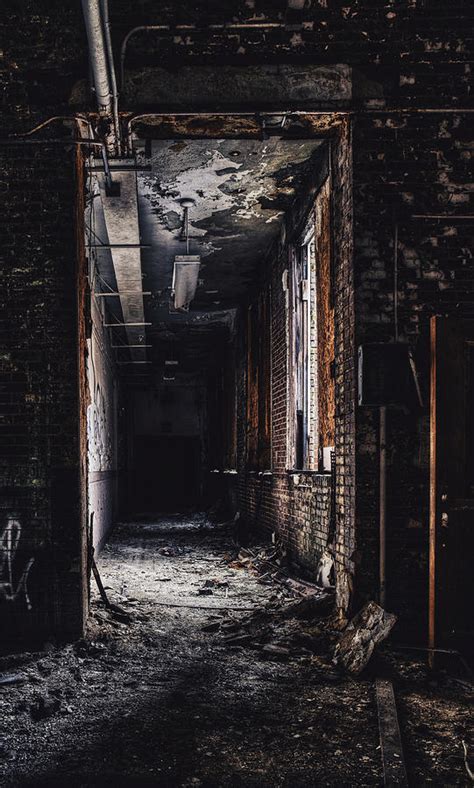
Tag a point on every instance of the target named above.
point(241, 190)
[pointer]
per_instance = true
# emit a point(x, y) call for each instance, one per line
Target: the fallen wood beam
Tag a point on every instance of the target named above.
point(115, 609)
point(394, 772)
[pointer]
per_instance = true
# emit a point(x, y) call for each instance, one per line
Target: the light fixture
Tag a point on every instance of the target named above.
point(186, 268)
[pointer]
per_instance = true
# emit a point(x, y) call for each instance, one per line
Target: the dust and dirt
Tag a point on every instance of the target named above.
point(201, 680)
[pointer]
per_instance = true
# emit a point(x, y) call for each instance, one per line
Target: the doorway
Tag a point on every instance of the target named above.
point(451, 483)
point(167, 473)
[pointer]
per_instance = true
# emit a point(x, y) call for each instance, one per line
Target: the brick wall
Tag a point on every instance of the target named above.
point(297, 504)
point(408, 165)
point(40, 480)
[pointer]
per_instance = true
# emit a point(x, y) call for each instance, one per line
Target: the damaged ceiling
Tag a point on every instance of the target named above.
point(241, 189)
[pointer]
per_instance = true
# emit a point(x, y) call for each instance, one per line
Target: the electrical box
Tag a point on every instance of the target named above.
point(387, 375)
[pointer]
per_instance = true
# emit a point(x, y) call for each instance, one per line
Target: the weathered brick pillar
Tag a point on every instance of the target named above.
point(41, 449)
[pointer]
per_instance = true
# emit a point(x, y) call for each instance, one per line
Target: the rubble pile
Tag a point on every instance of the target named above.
point(304, 628)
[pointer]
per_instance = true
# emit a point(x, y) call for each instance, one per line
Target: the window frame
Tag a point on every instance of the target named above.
point(303, 432)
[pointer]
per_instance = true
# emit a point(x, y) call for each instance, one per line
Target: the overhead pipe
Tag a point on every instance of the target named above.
point(98, 55)
point(382, 505)
point(65, 142)
point(77, 119)
point(113, 80)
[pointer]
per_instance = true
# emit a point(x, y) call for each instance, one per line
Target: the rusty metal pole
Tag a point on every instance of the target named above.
point(382, 504)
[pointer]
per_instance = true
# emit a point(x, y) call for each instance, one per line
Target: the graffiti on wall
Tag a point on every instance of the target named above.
point(99, 446)
point(12, 587)
point(99, 421)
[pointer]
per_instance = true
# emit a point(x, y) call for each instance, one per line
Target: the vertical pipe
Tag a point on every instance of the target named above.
point(108, 174)
point(395, 280)
point(98, 54)
point(186, 227)
point(382, 505)
point(113, 80)
point(433, 497)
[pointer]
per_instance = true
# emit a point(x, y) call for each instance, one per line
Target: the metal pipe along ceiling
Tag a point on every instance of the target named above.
point(98, 54)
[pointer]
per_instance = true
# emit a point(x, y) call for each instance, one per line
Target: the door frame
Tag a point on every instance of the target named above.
point(447, 482)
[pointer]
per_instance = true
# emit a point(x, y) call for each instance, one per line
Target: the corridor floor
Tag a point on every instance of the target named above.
point(165, 699)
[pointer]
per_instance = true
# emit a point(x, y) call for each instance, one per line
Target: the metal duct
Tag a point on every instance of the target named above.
point(123, 234)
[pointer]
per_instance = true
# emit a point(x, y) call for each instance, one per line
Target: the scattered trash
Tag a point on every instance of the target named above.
point(269, 561)
point(369, 627)
point(325, 570)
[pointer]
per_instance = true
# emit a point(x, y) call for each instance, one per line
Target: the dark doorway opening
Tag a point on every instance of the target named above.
point(452, 497)
point(167, 475)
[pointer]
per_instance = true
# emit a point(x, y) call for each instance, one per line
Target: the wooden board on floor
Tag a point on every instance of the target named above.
point(390, 740)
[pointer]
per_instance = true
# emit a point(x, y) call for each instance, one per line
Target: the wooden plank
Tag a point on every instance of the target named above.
point(390, 741)
point(433, 496)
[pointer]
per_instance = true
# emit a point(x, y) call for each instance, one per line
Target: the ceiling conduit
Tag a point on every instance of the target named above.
point(119, 197)
point(98, 55)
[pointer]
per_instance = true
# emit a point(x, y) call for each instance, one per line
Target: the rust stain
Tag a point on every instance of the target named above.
point(325, 319)
point(154, 126)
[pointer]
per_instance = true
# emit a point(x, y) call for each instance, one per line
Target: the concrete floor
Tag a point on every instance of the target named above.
point(158, 700)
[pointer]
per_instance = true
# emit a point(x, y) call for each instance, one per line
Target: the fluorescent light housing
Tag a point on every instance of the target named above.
point(185, 280)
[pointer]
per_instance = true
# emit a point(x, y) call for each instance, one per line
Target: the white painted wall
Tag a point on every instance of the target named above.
point(101, 428)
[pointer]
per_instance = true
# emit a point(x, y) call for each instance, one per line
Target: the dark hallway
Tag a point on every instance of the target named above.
point(236, 393)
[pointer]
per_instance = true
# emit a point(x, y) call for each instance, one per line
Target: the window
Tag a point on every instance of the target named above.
point(303, 339)
point(311, 379)
point(258, 384)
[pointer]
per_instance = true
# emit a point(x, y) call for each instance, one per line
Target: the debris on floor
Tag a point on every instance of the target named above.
point(236, 688)
point(369, 627)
